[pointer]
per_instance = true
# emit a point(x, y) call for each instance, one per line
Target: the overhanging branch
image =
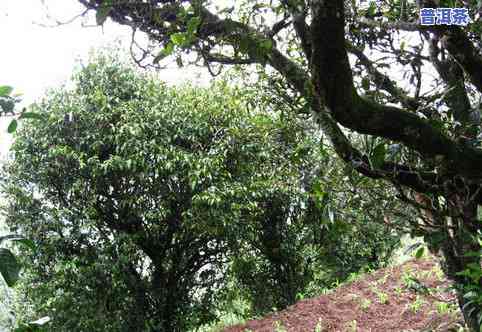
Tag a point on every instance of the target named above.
point(330, 84)
point(332, 79)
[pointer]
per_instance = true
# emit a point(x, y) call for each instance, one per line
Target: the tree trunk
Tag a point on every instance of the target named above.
point(460, 240)
point(167, 301)
point(452, 265)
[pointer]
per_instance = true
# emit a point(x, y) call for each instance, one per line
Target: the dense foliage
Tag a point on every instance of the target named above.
point(369, 67)
point(148, 204)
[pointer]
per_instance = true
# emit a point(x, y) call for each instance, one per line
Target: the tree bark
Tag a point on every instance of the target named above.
point(456, 245)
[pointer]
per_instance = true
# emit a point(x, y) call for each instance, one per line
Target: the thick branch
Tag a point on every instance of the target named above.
point(220, 58)
point(333, 86)
point(332, 78)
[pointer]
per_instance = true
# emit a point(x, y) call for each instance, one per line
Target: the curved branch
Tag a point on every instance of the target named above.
point(226, 60)
point(399, 174)
point(331, 84)
point(332, 78)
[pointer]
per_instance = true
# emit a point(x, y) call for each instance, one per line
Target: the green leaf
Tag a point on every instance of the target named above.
point(29, 328)
point(178, 38)
point(320, 196)
point(168, 50)
point(102, 13)
point(419, 252)
point(12, 126)
point(19, 239)
point(473, 254)
point(372, 9)
point(365, 83)
point(31, 115)
point(5, 90)
point(266, 45)
point(27, 242)
point(378, 155)
point(192, 25)
point(243, 45)
point(9, 266)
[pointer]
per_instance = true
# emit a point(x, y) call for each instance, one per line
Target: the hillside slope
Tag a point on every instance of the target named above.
point(413, 296)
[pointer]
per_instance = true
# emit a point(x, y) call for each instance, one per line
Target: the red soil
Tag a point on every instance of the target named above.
point(380, 301)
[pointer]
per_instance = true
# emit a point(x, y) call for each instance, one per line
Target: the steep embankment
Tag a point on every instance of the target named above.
point(413, 296)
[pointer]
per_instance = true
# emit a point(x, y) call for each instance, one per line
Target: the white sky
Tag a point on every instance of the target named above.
point(34, 57)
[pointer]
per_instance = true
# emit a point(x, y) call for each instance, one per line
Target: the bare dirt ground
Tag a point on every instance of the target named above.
point(413, 296)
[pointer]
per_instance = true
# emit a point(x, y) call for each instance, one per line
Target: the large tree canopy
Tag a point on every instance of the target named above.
point(336, 56)
point(325, 32)
point(145, 202)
